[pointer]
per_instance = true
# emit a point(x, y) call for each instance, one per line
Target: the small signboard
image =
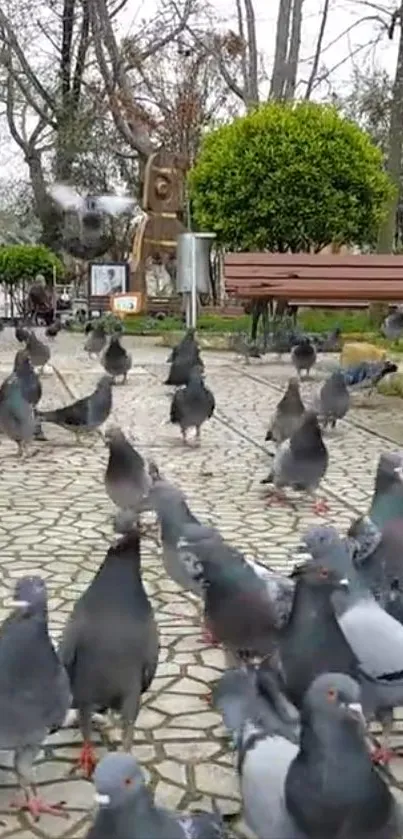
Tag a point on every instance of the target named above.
point(107, 278)
point(123, 305)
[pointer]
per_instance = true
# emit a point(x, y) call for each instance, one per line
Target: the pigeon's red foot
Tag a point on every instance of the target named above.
point(87, 760)
point(381, 756)
point(321, 507)
point(277, 498)
point(208, 637)
point(37, 806)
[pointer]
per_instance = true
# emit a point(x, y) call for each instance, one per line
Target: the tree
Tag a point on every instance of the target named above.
point(289, 177)
point(19, 263)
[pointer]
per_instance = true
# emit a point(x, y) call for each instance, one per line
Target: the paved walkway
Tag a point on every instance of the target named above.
point(56, 519)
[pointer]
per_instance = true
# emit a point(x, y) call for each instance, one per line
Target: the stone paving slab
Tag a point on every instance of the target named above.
point(56, 519)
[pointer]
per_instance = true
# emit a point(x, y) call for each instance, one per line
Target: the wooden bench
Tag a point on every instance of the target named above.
point(318, 279)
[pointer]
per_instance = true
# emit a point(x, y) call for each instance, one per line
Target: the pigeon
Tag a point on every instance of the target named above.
point(334, 399)
point(127, 481)
point(126, 808)
point(192, 405)
point(300, 462)
point(281, 341)
point(96, 340)
point(238, 610)
point(378, 537)
point(392, 326)
point(312, 641)
point(21, 331)
point(34, 689)
point(173, 513)
point(90, 205)
point(30, 384)
point(367, 374)
point(187, 340)
point(332, 789)
point(116, 360)
point(88, 327)
point(110, 644)
point(185, 357)
point(17, 419)
point(332, 341)
point(38, 352)
point(288, 414)
point(54, 328)
point(243, 347)
point(86, 414)
point(375, 637)
point(303, 356)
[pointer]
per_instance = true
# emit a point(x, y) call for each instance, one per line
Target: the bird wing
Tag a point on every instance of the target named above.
point(115, 205)
point(67, 197)
point(375, 637)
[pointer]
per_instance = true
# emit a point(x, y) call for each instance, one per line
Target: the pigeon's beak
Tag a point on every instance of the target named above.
point(344, 583)
point(399, 472)
point(102, 800)
point(301, 554)
point(355, 710)
point(19, 604)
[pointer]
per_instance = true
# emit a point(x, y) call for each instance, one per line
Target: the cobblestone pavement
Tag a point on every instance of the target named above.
point(55, 519)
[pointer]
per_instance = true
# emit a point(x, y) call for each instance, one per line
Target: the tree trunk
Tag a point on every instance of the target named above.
point(278, 78)
point(387, 231)
point(294, 48)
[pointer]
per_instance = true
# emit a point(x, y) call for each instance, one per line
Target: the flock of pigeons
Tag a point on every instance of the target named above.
point(313, 656)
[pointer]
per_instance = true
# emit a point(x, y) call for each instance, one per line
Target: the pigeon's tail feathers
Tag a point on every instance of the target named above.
point(232, 696)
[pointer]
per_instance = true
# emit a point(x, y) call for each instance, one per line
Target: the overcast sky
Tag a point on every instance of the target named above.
point(339, 44)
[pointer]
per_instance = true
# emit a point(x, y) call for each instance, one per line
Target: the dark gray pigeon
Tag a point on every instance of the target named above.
point(394, 601)
point(303, 356)
point(127, 481)
point(31, 387)
point(392, 326)
point(192, 405)
point(96, 340)
point(17, 419)
point(21, 331)
point(375, 637)
point(34, 688)
point(38, 352)
point(188, 340)
point(127, 809)
point(185, 357)
point(54, 328)
point(110, 644)
point(300, 462)
point(238, 610)
point(332, 788)
point(334, 399)
point(116, 359)
point(312, 641)
point(86, 414)
point(288, 414)
point(173, 513)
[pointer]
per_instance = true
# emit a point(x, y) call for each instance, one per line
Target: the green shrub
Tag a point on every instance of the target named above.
point(289, 177)
point(20, 263)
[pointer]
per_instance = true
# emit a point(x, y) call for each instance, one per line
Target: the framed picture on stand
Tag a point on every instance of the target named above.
point(108, 278)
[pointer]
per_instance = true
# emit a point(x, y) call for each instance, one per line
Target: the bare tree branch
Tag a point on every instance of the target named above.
point(318, 49)
point(25, 66)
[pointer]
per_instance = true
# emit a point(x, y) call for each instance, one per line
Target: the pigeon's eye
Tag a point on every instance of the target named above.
point(331, 695)
point(128, 782)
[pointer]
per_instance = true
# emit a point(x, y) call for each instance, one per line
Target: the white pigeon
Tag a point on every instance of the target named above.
point(69, 199)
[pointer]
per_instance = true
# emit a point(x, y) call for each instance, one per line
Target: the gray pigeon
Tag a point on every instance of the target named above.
point(300, 462)
point(96, 340)
point(17, 419)
point(185, 357)
point(392, 326)
point(86, 414)
point(238, 609)
point(110, 644)
point(38, 352)
point(127, 481)
point(188, 340)
point(334, 399)
point(374, 636)
point(303, 356)
point(288, 414)
point(332, 788)
point(34, 688)
point(192, 405)
point(173, 513)
point(127, 809)
point(116, 359)
point(243, 347)
point(88, 205)
point(30, 383)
